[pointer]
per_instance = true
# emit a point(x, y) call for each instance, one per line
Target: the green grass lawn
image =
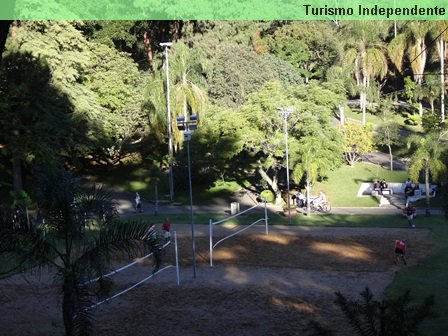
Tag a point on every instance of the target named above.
point(342, 184)
point(375, 119)
point(330, 220)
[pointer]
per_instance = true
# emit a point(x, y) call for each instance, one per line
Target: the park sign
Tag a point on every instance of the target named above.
point(223, 10)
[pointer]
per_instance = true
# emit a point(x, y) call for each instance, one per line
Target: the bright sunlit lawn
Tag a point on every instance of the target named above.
point(342, 184)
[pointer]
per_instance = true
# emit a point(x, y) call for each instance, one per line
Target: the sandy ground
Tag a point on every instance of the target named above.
point(260, 285)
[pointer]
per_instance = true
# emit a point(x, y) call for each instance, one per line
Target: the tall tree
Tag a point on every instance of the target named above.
point(186, 76)
point(313, 106)
point(4, 31)
point(388, 132)
point(358, 140)
point(441, 32)
point(313, 160)
point(342, 83)
point(427, 159)
point(264, 140)
point(410, 44)
point(36, 121)
point(365, 50)
point(310, 46)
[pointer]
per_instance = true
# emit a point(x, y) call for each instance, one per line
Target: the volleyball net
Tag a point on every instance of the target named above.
point(138, 283)
point(239, 230)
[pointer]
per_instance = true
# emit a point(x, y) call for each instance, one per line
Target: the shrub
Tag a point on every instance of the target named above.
point(267, 195)
point(413, 120)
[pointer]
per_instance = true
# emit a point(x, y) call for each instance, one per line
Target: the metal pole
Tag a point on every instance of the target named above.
point(193, 245)
point(287, 168)
point(177, 257)
point(156, 205)
point(170, 136)
point(210, 234)
point(266, 216)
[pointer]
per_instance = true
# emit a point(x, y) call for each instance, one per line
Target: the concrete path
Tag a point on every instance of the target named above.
point(383, 160)
point(220, 206)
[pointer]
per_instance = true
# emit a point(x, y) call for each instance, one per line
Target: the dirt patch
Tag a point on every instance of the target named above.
point(260, 285)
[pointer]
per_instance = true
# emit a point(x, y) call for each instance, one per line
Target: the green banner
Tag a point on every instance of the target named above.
point(223, 10)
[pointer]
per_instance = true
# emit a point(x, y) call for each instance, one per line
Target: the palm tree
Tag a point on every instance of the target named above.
point(411, 43)
point(155, 105)
point(65, 244)
point(186, 69)
point(366, 52)
point(315, 160)
point(427, 159)
point(442, 32)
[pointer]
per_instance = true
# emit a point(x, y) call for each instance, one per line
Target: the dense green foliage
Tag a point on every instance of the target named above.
point(93, 94)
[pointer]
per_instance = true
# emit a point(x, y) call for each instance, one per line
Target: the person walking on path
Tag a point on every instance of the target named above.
point(410, 212)
point(166, 228)
point(138, 202)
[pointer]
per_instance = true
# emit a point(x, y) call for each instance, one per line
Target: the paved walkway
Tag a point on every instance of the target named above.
point(383, 160)
point(220, 206)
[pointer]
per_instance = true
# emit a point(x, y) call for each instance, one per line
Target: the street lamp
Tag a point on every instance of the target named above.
point(166, 45)
point(187, 126)
point(285, 113)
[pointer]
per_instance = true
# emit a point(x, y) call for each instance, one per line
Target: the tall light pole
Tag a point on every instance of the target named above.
point(285, 113)
point(166, 45)
point(187, 126)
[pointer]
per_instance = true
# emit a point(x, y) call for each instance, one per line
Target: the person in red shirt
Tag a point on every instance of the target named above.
point(400, 251)
point(166, 228)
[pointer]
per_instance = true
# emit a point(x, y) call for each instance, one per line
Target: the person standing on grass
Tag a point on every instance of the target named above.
point(166, 228)
point(138, 202)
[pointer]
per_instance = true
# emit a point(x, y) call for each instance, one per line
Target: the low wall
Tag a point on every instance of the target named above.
point(397, 188)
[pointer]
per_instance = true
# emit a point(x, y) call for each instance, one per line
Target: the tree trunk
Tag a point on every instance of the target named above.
point(68, 304)
point(4, 30)
point(308, 191)
point(148, 47)
point(363, 98)
point(442, 78)
point(420, 109)
point(17, 174)
point(272, 183)
point(391, 158)
point(428, 205)
point(342, 114)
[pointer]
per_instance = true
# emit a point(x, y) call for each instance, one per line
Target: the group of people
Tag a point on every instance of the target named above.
point(299, 199)
point(379, 186)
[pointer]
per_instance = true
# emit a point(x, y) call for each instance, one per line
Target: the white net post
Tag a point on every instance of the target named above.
point(210, 231)
point(211, 224)
point(177, 257)
point(266, 217)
